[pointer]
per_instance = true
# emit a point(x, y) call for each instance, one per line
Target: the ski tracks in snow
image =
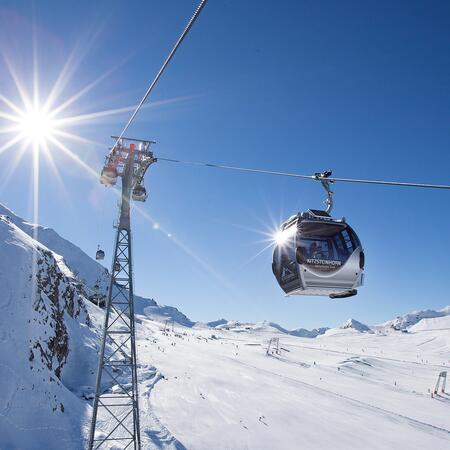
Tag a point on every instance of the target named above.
point(155, 435)
point(385, 358)
point(415, 422)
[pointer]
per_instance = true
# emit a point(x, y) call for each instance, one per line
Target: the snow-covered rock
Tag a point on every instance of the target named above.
point(48, 345)
point(216, 323)
point(355, 325)
point(160, 313)
point(89, 271)
point(303, 332)
point(92, 277)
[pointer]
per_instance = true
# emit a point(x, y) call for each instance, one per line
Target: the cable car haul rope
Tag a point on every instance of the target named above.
point(307, 177)
point(315, 254)
point(163, 67)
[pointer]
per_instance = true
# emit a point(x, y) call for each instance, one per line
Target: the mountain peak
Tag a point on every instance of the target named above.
point(354, 324)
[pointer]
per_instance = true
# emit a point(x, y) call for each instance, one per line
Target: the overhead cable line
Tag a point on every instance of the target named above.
point(163, 67)
point(317, 177)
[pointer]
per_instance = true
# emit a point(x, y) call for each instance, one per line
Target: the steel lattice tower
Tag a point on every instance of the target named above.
point(118, 406)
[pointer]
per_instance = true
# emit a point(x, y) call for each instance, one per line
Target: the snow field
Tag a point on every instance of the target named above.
point(225, 393)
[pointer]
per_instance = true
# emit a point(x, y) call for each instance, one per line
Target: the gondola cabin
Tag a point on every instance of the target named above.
point(316, 254)
point(139, 193)
point(99, 254)
point(109, 175)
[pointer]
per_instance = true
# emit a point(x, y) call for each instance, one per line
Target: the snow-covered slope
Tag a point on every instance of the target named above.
point(221, 391)
point(49, 339)
point(48, 346)
point(436, 323)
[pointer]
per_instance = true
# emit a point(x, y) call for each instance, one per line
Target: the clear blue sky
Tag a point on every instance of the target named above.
point(362, 88)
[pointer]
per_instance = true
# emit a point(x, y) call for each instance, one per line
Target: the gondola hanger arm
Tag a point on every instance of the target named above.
point(324, 178)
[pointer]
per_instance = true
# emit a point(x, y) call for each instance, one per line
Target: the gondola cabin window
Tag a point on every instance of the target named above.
point(330, 251)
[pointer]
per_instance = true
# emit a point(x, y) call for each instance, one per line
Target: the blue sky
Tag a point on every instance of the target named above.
point(362, 88)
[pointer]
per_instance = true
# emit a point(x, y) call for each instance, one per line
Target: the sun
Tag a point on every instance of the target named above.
point(40, 125)
point(282, 237)
point(37, 126)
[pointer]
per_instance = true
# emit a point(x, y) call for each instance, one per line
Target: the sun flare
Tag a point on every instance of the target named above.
point(37, 126)
point(281, 237)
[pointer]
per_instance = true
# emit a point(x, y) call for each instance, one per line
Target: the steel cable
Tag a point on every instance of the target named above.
point(163, 67)
point(310, 177)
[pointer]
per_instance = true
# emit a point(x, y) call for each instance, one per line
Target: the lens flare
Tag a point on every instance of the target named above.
point(281, 237)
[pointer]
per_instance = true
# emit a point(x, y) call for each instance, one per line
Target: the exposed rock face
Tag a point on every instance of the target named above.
point(55, 295)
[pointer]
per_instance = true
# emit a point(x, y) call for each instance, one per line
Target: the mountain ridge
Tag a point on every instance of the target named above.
point(91, 274)
point(95, 278)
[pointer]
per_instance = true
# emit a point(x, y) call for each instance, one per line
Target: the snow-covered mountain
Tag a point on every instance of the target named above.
point(215, 323)
point(408, 320)
point(89, 271)
point(50, 333)
point(355, 325)
point(266, 326)
point(93, 278)
point(303, 332)
point(49, 336)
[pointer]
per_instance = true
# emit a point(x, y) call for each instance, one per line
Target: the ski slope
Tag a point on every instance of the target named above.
point(218, 389)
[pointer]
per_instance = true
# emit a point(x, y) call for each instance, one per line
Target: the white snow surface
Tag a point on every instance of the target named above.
point(437, 323)
point(209, 388)
point(221, 391)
